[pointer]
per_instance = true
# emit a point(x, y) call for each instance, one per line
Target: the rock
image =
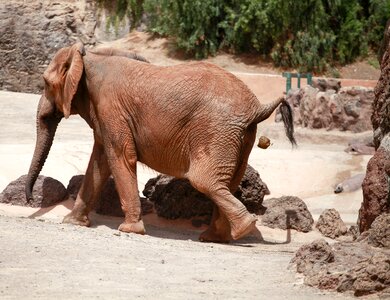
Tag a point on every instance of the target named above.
point(371, 275)
point(347, 108)
point(175, 198)
point(344, 267)
point(46, 192)
point(375, 190)
point(330, 224)
point(287, 212)
point(318, 252)
point(327, 84)
point(381, 114)
point(108, 202)
point(379, 233)
point(32, 32)
point(350, 184)
point(376, 185)
point(74, 186)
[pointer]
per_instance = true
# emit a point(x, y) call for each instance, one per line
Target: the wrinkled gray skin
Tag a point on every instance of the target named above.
point(193, 121)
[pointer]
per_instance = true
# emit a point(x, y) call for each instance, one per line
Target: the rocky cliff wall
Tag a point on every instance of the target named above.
point(32, 31)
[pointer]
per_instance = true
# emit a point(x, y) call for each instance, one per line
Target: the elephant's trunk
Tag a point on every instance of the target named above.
point(47, 122)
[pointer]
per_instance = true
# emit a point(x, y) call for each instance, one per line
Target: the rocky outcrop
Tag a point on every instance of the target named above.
point(287, 212)
point(375, 189)
point(330, 224)
point(47, 192)
point(348, 109)
point(376, 185)
point(344, 267)
point(33, 31)
point(176, 198)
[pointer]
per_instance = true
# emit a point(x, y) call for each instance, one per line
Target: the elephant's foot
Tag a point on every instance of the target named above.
point(243, 226)
point(212, 236)
point(76, 220)
point(137, 227)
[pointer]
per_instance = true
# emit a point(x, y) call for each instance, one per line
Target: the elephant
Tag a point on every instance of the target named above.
point(192, 120)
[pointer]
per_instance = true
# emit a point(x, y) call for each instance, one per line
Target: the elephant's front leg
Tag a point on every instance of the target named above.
point(123, 163)
point(97, 174)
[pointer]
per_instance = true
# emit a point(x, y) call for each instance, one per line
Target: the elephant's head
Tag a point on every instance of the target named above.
point(61, 78)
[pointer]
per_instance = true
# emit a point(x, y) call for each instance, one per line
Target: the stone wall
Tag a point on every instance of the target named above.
point(31, 33)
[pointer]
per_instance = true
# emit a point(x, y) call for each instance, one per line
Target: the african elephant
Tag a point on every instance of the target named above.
point(193, 121)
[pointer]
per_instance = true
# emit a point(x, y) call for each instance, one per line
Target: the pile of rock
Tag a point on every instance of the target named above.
point(361, 267)
point(347, 108)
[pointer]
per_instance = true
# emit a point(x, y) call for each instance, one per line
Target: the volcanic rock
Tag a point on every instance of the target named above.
point(349, 108)
point(342, 267)
point(108, 202)
point(47, 191)
point(175, 198)
point(287, 212)
point(379, 233)
point(330, 224)
point(375, 190)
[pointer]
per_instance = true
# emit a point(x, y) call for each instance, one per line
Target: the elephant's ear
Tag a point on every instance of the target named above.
point(73, 70)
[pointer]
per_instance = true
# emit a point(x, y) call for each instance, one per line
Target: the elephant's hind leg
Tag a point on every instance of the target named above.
point(218, 176)
point(94, 179)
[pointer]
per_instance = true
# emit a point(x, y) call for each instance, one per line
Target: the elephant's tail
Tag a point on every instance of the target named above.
point(287, 116)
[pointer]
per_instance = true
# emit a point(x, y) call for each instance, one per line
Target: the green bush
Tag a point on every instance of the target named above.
point(309, 35)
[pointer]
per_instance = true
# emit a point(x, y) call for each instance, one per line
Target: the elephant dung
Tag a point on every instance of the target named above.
point(47, 192)
point(287, 212)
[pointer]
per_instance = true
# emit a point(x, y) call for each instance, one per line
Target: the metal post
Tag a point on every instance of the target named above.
point(288, 82)
point(299, 80)
point(309, 78)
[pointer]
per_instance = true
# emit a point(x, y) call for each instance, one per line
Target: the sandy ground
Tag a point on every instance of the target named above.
point(41, 258)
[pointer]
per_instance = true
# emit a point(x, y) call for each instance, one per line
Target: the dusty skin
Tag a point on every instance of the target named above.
point(42, 258)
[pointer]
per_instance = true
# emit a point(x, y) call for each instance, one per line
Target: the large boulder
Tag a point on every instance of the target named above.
point(375, 189)
point(175, 198)
point(349, 108)
point(47, 191)
point(33, 31)
point(330, 224)
point(287, 212)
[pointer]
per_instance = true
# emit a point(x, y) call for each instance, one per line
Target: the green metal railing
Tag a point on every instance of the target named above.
point(289, 75)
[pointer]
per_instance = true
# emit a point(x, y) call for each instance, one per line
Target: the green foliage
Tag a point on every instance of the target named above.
point(194, 23)
point(379, 13)
point(309, 35)
point(120, 9)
